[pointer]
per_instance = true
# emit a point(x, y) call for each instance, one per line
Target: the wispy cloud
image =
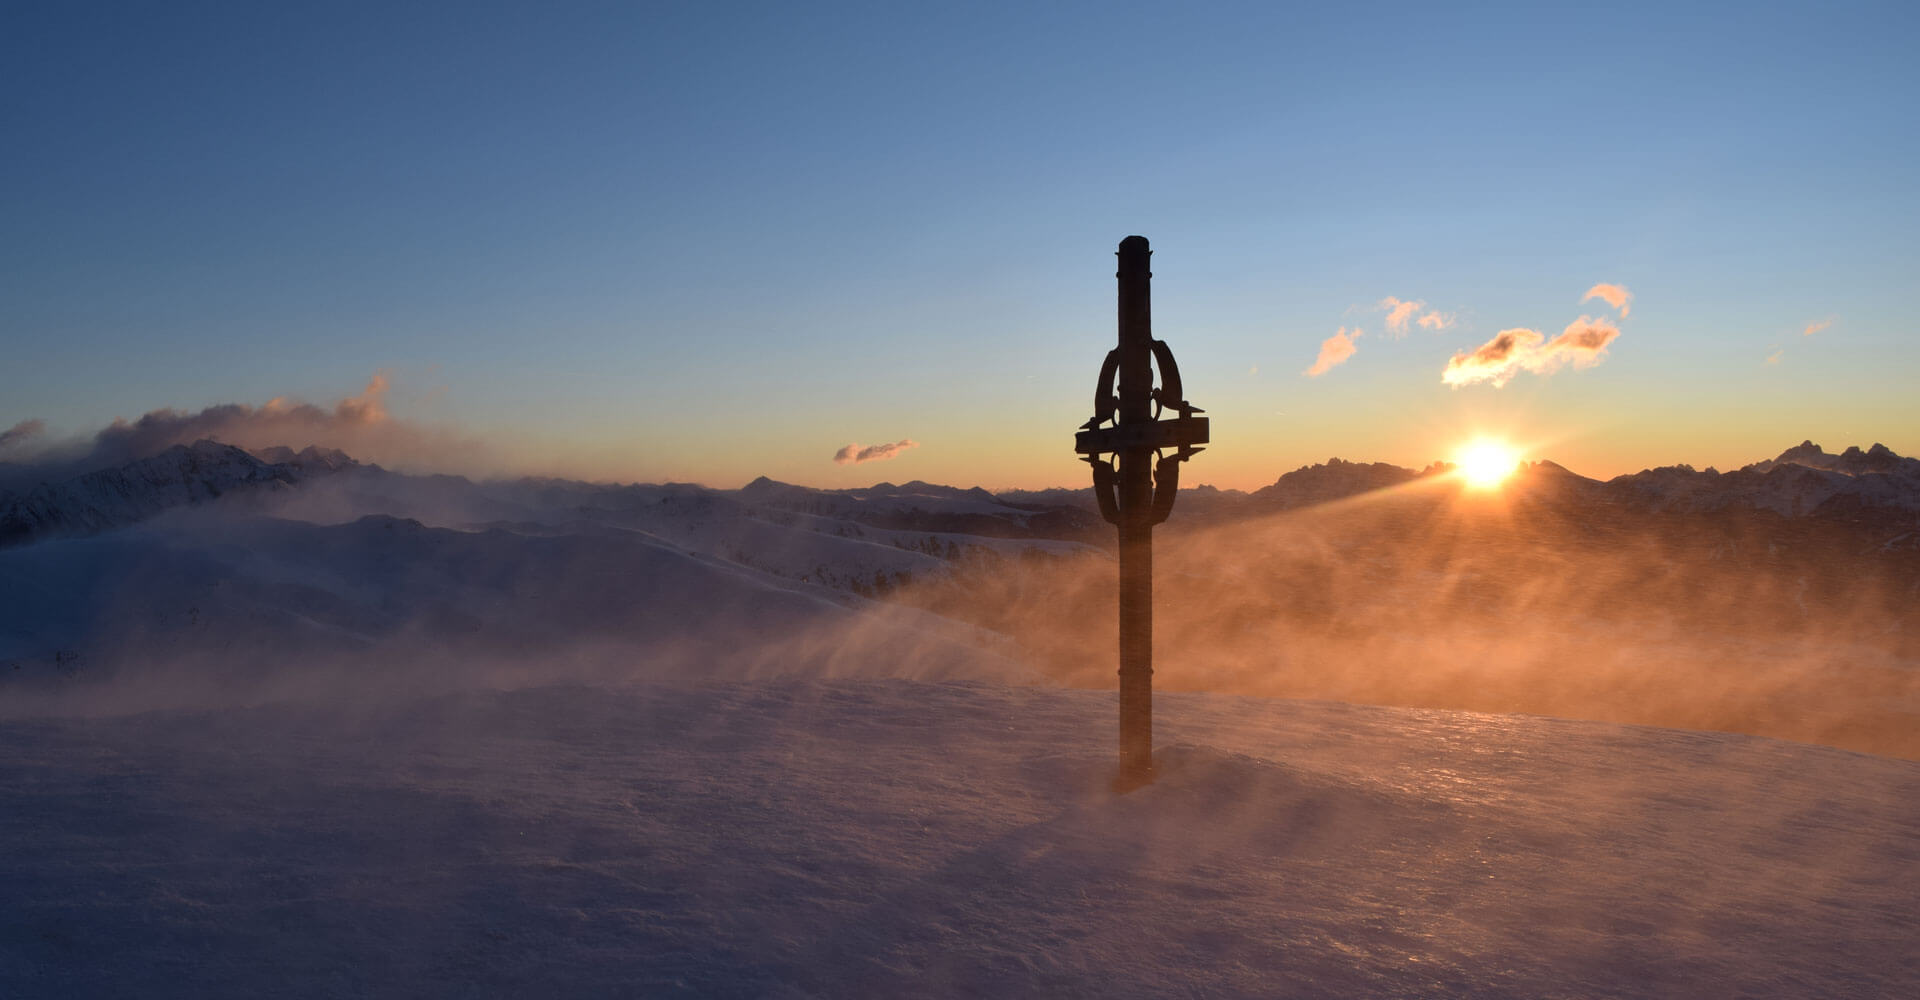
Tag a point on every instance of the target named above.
point(21, 433)
point(1399, 311)
point(1616, 296)
point(1435, 320)
point(1582, 344)
point(1333, 351)
point(1816, 327)
point(854, 454)
point(1774, 358)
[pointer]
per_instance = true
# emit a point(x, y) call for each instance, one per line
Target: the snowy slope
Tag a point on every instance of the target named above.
point(110, 498)
point(255, 606)
point(901, 839)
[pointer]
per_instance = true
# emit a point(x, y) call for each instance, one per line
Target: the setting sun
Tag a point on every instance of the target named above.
point(1486, 464)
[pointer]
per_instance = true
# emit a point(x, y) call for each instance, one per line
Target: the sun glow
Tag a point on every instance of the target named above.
point(1485, 464)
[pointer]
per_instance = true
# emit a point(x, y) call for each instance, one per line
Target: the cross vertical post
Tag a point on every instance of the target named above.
point(1139, 494)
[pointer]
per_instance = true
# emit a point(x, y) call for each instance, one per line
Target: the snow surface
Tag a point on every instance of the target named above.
point(289, 725)
point(889, 838)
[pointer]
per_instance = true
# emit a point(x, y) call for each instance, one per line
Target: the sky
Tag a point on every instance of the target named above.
point(708, 242)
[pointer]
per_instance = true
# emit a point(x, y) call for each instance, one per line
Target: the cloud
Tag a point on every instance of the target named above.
point(279, 421)
point(1398, 312)
point(1436, 320)
point(1813, 328)
point(1496, 361)
point(21, 433)
point(1582, 344)
point(359, 425)
point(1774, 358)
point(1583, 341)
point(853, 454)
point(1616, 296)
point(1333, 351)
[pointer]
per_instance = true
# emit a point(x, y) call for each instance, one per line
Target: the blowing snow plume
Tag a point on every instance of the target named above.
point(854, 454)
point(359, 425)
point(21, 433)
point(1428, 595)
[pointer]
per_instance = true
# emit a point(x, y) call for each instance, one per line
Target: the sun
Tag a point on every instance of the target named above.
point(1485, 463)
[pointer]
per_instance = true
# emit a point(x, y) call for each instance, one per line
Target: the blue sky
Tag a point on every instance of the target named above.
point(707, 241)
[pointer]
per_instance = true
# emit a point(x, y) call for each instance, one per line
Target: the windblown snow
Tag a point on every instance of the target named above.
point(888, 838)
point(283, 724)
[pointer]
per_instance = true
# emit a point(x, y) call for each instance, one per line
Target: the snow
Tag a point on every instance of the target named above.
point(255, 608)
point(283, 724)
point(891, 838)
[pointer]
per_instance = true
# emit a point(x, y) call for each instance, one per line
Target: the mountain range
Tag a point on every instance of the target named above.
point(1803, 481)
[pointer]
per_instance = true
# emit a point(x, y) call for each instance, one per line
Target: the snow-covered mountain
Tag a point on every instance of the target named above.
point(1803, 481)
point(1877, 460)
point(1333, 480)
point(111, 498)
point(210, 555)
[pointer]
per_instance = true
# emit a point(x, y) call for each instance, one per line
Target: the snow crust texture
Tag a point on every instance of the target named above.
point(889, 838)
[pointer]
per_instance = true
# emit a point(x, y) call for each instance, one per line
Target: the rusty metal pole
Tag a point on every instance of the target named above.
point(1140, 493)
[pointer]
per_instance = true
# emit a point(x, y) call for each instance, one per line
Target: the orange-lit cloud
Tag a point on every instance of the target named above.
point(853, 454)
point(1774, 358)
point(1616, 296)
point(1582, 344)
point(1496, 361)
point(1436, 320)
point(1813, 328)
point(1398, 312)
point(21, 432)
point(1583, 341)
point(1333, 351)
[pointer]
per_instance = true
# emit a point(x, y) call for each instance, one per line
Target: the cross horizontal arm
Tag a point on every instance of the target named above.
point(1153, 434)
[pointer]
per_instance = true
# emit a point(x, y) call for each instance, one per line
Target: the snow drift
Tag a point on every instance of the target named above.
point(898, 839)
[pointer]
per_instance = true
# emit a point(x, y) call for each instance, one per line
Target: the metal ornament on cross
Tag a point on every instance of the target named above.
point(1128, 426)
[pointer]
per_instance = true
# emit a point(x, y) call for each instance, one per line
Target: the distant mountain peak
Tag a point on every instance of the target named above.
point(181, 475)
point(1878, 459)
point(308, 459)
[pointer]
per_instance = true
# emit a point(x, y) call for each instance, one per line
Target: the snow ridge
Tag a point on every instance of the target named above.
point(182, 475)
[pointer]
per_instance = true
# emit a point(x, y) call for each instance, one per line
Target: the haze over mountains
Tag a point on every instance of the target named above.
point(1803, 481)
point(1778, 598)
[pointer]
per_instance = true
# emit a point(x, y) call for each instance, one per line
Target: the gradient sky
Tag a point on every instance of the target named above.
point(709, 241)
